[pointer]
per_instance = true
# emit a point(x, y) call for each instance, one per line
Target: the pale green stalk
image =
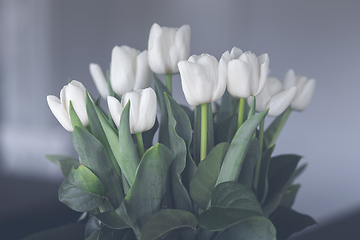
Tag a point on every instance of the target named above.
point(258, 164)
point(281, 125)
point(241, 112)
point(140, 144)
point(203, 146)
point(169, 83)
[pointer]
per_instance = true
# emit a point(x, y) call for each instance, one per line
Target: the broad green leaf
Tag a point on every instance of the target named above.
point(72, 231)
point(112, 220)
point(252, 109)
point(203, 182)
point(128, 155)
point(92, 227)
point(226, 107)
point(263, 184)
point(247, 170)
point(297, 172)
point(179, 124)
point(204, 234)
point(166, 220)
point(160, 89)
point(65, 163)
point(75, 120)
point(254, 228)
point(271, 204)
point(280, 170)
point(77, 199)
point(287, 222)
point(231, 203)
point(145, 195)
point(111, 234)
point(93, 236)
point(273, 130)
point(189, 113)
point(84, 179)
point(93, 155)
point(98, 131)
point(224, 132)
point(234, 157)
point(289, 195)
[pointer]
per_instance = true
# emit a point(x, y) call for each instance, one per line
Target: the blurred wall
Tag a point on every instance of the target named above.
point(43, 43)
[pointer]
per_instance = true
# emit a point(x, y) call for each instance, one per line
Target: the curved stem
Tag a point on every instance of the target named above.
point(241, 112)
point(203, 146)
point(258, 164)
point(140, 144)
point(169, 83)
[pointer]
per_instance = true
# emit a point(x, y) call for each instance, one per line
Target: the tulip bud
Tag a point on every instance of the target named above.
point(203, 78)
point(76, 93)
point(305, 88)
point(273, 97)
point(247, 73)
point(129, 70)
point(142, 109)
point(99, 79)
point(167, 47)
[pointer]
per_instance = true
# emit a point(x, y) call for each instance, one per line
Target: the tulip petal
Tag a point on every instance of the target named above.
point(99, 79)
point(147, 111)
point(155, 48)
point(275, 86)
point(180, 49)
point(143, 72)
point(238, 79)
point(115, 109)
point(264, 71)
point(76, 93)
point(220, 82)
point(290, 79)
point(302, 100)
point(235, 53)
point(134, 98)
point(59, 112)
point(281, 101)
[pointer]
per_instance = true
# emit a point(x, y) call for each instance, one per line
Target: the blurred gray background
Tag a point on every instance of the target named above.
point(43, 43)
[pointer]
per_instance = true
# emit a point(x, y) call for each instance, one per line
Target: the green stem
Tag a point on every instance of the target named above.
point(281, 125)
point(258, 164)
point(168, 83)
point(241, 112)
point(140, 144)
point(203, 146)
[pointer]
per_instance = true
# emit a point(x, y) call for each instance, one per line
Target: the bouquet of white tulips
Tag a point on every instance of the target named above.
point(211, 176)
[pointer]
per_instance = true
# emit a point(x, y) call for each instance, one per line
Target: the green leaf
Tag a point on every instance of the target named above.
point(98, 132)
point(203, 182)
point(280, 170)
point(247, 170)
point(111, 234)
point(234, 157)
point(179, 124)
point(93, 155)
point(254, 228)
point(92, 226)
point(225, 131)
point(72, 231)
point(160, 89)
point(289, 195)
point(297, 172)
point(273, 130)
point(166, 220)
point(148, 136)
point(75, 120)
point(128, 155)
point(263, 184)
point(231, 203)
point(84, 179)
point(112, 220)
point(252, 109)
point(65, 163)
point(287, 222)
point(226, 107)
point(93, 236)
point(78, 199)
point(271, 204)
point(145, 195)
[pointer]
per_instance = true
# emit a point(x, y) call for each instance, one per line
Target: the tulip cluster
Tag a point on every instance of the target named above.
point(131, 185)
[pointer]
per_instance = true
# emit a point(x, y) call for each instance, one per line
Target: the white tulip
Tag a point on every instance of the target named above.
point(76, 93)
point(99, 79)
point(305, 86)
point(167, 47)
point(129, 70)
point(142, 109)
point(274, 98)
point(247, 73)
point(203, 78)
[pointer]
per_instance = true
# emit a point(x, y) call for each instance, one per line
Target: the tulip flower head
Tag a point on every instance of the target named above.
point(99, 79)
point(247, 73)
point(142, 109)
point(306, 88)
point(129, 70)
point(167, 47)
point(274, 98)
point(203, 78)
point(76, 93)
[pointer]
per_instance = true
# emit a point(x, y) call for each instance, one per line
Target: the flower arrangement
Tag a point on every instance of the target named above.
point(211, 176)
